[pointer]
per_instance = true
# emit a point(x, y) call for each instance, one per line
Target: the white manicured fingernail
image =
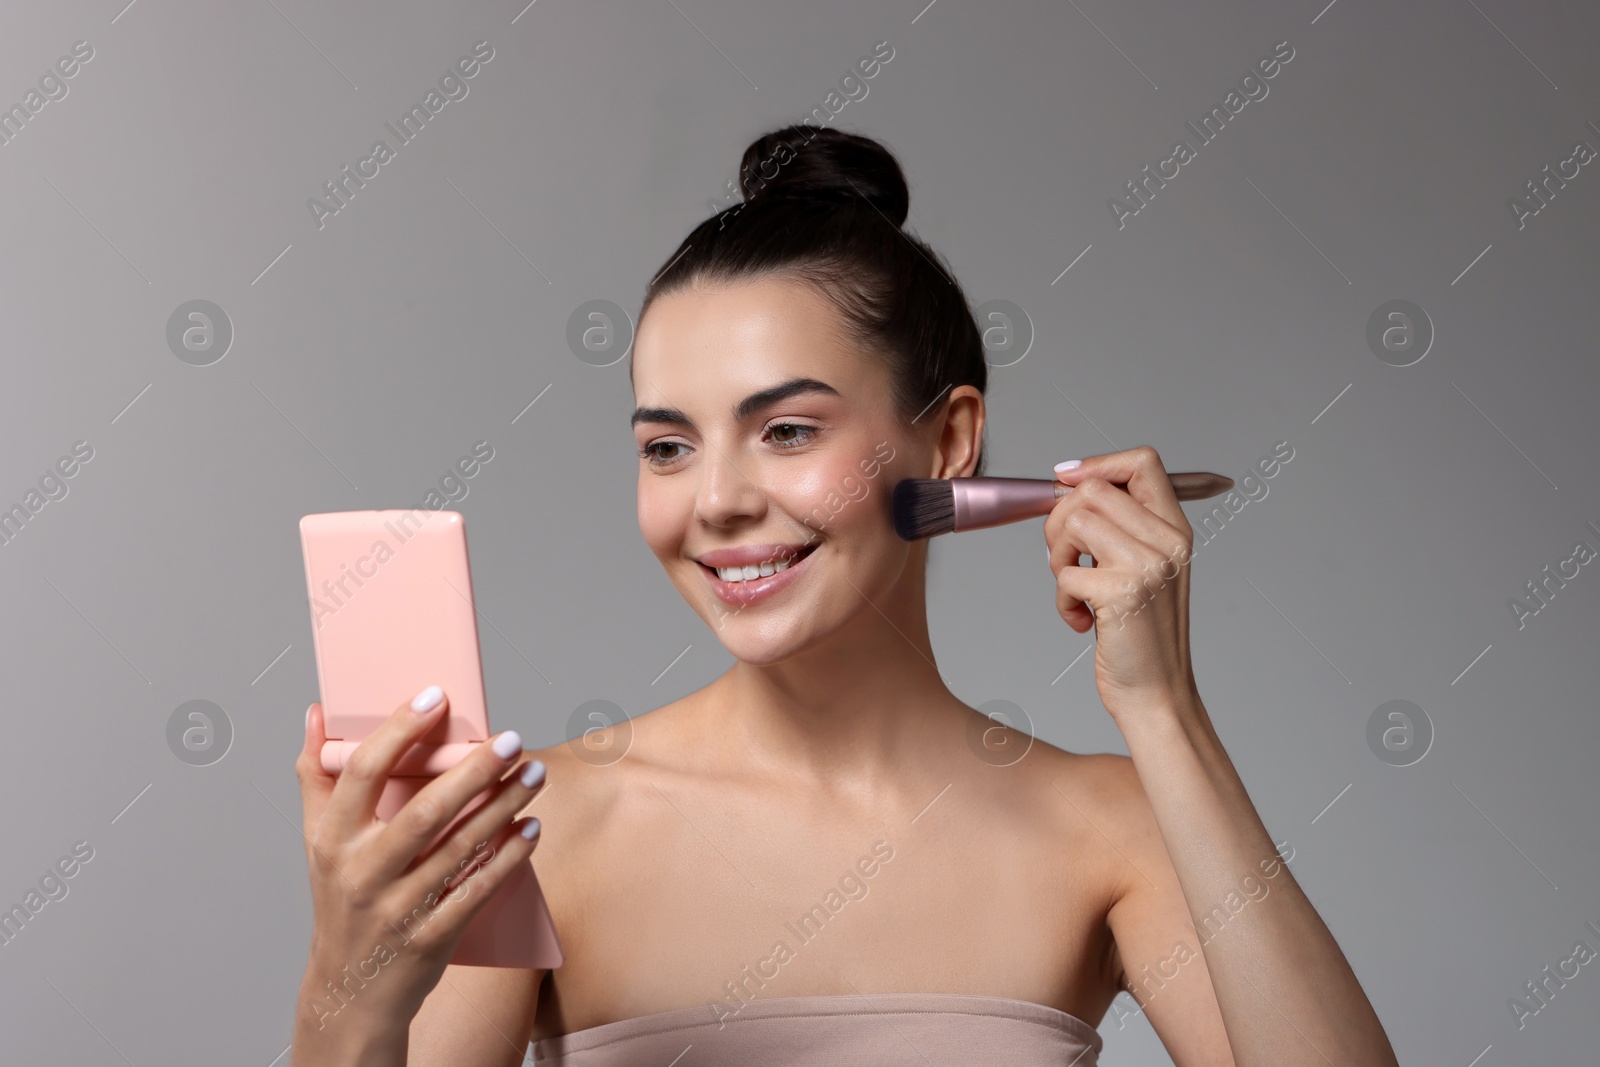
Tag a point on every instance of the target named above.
point(428, 699)
point(1069, 465)
point(530, 829)
point(533, 773)
point(508, 744)
point(308, 716)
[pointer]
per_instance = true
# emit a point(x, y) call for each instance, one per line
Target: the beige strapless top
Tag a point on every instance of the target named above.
point(874, 1030)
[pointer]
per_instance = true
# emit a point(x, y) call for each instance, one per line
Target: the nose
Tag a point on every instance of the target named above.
point(726, 493)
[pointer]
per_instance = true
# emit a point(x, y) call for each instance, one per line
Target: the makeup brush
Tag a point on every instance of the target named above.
point(927, 507)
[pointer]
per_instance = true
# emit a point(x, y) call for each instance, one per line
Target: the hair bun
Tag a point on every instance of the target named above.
point(826, 164)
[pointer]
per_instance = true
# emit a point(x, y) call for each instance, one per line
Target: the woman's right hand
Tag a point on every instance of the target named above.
point(367, 974)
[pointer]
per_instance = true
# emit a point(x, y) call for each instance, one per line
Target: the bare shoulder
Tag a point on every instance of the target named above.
point(1101, 808)
point(593, 785)
point(1104, 786)
point(589, 776)
point(584, 783)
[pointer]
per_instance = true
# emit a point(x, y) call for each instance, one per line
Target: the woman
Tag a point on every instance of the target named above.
point(811, 860)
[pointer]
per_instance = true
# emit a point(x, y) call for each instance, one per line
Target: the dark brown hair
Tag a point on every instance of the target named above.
point(826, 207)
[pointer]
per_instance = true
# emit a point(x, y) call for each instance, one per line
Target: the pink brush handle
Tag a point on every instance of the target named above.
point(982, 502)
point(987, 501)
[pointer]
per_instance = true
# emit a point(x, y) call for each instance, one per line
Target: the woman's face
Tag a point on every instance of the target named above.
point(766, 439)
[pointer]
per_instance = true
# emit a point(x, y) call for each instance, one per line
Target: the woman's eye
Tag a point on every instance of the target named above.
point(803, 435)
point(783, 435)
point(651, 452)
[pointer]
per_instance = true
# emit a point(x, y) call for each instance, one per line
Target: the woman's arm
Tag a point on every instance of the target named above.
point(477, 1016)
point(1216, 921)
point(1285, 992)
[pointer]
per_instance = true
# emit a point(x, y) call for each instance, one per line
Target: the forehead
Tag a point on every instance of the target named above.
point(737, 338)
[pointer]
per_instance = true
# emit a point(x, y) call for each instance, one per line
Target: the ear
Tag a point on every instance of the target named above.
point(961, 436)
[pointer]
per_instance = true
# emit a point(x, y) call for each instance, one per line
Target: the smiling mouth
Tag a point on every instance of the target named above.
point(752, 572)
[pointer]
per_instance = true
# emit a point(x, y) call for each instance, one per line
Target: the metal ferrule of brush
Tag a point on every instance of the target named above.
point(986, 501)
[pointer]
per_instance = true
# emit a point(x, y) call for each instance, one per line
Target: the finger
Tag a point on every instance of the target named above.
point(1127, 569)
point(316, 784)
point(1077, 599)
point(1077, 615)
point(1064, 545)
point(355, 798)
point(1078, 526)
point(1083, 596)
point(1134, 534)
point(510, 849)
point(503, 855)
point(455, 852)
point(1142, 471)
point(439, 803)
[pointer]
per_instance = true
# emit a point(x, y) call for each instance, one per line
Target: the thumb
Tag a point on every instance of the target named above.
point(316, 784)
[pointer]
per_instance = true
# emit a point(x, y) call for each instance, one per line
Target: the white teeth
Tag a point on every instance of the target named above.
point(762, 570)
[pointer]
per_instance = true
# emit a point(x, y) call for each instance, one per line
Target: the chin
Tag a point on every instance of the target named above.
point(760, 654)
point(760, 642)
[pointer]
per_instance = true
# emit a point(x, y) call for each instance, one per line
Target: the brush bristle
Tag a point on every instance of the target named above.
point(923, 507)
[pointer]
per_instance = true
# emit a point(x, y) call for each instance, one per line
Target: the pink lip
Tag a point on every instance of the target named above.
point(743, 594)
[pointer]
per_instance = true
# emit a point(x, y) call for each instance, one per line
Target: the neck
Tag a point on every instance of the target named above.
point(849, 710)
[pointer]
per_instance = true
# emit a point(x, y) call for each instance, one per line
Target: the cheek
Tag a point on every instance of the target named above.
point(807, 488)
point(810, 494)
point(836, 497)
point(658, 518)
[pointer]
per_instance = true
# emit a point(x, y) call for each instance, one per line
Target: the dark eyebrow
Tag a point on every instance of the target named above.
point(744, 408)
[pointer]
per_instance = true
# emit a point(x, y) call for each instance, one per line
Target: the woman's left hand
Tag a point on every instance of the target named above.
point(1134, 590)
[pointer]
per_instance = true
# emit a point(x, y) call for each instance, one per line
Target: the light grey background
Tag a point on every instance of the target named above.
point(1227, 316)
